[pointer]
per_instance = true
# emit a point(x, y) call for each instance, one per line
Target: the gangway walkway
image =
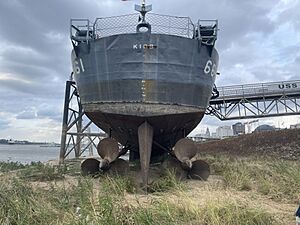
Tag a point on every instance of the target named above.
point(256, 100)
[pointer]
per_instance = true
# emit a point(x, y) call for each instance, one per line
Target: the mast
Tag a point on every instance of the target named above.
point(143, 9)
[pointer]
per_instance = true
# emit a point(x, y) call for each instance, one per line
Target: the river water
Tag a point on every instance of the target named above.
point(27, 153)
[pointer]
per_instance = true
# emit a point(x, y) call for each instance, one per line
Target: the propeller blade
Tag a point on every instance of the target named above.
point(90, 166)
point(184, 150)
point(200, 170)
point(108, 149)
point(174, 166)
point(119, 167)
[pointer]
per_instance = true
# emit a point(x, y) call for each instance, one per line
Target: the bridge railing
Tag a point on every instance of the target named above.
point(257, 90)
point(256, 100)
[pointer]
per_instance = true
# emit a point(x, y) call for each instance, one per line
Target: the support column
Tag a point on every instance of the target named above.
point(145, 135)
point(65, 122)
point(79, 130)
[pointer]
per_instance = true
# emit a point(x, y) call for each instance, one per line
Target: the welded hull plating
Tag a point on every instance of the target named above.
point(124, 80)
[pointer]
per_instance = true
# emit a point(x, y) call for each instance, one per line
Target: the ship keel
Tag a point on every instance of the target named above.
point(145, 137)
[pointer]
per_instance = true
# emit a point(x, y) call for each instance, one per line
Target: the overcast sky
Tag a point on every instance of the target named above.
point(259, 41)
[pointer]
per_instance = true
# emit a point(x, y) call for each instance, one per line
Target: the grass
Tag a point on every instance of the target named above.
point(117, 200)
point(41, 172)
point(167, 182)
point(118, 185)
point(235, 214)
point(35, 171)
point(11, 166)
point(84, 204)
point(278, 179)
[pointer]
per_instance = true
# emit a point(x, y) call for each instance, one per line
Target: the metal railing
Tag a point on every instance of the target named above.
point(204, 30)
point(256, 90)
point(81, 29)
point(108, 26)
point(160, 24)
point(256, 100)
point(207, 31)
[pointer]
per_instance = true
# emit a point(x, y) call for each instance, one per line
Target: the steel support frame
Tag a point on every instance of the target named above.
point(76, 126)
point(245, 108)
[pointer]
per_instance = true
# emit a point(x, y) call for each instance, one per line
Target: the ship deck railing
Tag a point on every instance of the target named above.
point(207, 31)
point(161, 24)
point(84, 30)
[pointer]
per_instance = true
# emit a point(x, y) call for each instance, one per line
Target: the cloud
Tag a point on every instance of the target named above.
point(25, 115)
point(287, 12)
point(40, 111)
point(50, 112)
point(258, 41)
point(4, 124)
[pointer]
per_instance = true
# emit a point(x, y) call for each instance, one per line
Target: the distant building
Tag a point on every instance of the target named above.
point(196, 138)
point(295, 126)
point(214, 135)
point(207, 133)
point(263, 128)
point(238, 128)
point(201, 136)
point(224, 131)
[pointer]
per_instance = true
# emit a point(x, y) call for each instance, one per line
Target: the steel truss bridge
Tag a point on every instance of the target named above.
point(233, 102)
point(256, 100)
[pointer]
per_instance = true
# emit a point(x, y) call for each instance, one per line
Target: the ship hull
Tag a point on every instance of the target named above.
point(169, 125)
point(125, 80)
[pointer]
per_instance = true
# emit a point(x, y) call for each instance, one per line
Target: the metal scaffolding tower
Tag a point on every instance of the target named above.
point(256, 101)
point(76, 134)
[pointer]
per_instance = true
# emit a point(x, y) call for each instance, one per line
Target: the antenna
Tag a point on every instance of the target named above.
point(143, 9)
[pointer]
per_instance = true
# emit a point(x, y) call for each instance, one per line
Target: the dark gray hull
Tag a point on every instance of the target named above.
point(124, 80)
point(168, 128)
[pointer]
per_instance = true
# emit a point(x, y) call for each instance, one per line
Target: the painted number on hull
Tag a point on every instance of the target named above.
point(78, 66)
point(210, 68)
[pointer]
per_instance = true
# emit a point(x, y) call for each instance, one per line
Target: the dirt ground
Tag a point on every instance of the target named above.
point(284, 144)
